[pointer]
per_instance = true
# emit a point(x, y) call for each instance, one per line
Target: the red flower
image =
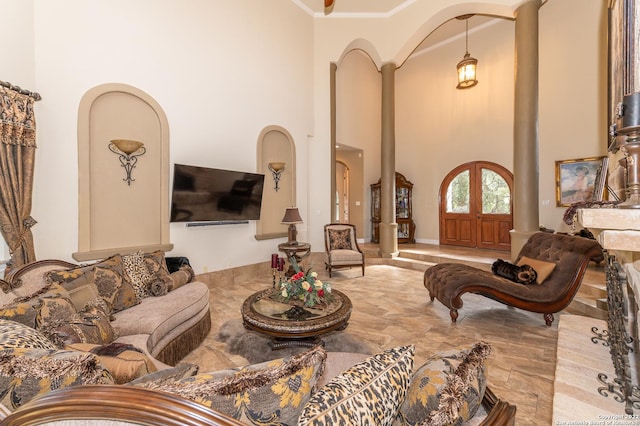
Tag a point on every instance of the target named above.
point(321, 293)
point(310, 289)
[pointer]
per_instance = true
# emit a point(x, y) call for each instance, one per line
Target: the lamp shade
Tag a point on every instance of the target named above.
point(292, 215)
point(467, 72)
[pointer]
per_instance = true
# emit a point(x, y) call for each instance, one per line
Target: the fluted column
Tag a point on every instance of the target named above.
point(525, 127)
point(388, 225)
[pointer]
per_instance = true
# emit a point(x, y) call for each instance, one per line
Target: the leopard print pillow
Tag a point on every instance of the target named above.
point(15, 335)
point(139, 275)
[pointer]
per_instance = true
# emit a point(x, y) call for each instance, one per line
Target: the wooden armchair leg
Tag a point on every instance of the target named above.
point(548, 319)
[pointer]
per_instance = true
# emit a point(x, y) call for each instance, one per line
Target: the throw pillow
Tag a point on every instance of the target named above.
point(16, 335)
point(273, 392)
point(108, 276)
point(447, 389)
point(173, 374)
point(82, 291)
point(544, 269)
point(139, 275)
point(27, 373)
point(340, 239)
point(32, 311)
point(522, 274)
point(157, 267)
point(370, 392)
point(124, 362)
point(91, 325)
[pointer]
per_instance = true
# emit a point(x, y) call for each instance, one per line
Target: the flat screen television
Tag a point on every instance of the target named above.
point(202, 194)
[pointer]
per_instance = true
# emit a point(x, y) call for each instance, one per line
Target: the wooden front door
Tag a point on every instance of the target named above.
point(475, 206)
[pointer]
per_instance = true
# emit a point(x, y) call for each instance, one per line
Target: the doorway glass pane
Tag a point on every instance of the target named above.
point(496, 197)
point(458, 194)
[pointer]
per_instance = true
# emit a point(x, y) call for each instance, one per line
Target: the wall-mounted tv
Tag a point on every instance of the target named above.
point(202, 194)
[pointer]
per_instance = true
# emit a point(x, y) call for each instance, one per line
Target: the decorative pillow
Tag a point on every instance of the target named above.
point(33, 312)
point(522, 274)
point(173, 374)
point(82, 292)
point(182, 276)
point(138, 274)
point(16, 335)
point(158, 287)
point(273, 392)
point(26, 373)
point(447, 389)
point(157, 267)
point(91, 325)
point(340, 239)
point(108, 276)
point(370, 392)
point(125, 362)
point(544, 269)
point(113, 288)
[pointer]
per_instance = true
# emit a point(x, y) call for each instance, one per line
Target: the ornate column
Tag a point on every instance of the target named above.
point(388, 225)
point(525, 127)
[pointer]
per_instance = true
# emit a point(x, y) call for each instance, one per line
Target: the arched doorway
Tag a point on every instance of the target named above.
point(476, 206)
point(341, 213)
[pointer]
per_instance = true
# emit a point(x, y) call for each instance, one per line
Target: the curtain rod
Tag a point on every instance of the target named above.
point(18, 89)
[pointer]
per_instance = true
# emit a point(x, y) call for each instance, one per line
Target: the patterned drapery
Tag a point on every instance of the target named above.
point(17, 158)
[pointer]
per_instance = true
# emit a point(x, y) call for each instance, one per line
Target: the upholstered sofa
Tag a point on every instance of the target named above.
point(312, 387)
point(128, 310)
point(46, 375)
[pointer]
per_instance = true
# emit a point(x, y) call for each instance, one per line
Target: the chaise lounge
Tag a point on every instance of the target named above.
point(567, 256)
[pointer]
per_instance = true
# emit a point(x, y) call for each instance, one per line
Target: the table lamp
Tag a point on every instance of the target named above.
point(291, 217)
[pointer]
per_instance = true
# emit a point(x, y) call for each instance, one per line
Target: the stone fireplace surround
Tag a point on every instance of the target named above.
point(618, 232)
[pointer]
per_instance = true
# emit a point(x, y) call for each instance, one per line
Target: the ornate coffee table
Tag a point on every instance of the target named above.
point(269, 317)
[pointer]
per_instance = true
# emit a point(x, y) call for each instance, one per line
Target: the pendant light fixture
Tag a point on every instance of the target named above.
point(467, 66)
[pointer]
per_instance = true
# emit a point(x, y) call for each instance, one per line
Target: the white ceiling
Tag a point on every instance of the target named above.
point(450, 30)
point(356, 6)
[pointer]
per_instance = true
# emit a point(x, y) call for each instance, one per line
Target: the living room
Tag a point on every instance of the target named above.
point(224, 71)
point(62, 52)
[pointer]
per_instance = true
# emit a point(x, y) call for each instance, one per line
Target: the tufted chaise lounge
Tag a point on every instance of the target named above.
point(447, 282)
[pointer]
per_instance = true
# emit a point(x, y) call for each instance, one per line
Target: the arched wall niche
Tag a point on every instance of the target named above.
point(275, 144)
point(116, 216)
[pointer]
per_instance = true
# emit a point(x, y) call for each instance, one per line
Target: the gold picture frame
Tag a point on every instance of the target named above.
point(577, 180)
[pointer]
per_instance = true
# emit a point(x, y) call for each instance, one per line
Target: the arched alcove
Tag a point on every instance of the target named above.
point(275, 145)
point(117, 215)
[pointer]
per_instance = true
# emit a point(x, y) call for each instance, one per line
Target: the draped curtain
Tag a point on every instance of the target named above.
point(17, 157)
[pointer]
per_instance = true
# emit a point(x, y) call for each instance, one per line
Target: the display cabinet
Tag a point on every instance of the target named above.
point(404, 214)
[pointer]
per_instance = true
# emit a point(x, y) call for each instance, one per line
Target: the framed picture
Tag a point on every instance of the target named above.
point(576, 180)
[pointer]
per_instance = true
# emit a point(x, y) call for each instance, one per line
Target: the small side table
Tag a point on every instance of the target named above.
point(298, 250)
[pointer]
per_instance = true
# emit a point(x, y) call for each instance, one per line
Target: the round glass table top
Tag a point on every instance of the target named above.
point(262, 313)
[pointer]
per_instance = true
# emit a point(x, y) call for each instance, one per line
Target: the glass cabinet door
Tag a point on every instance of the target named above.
point(402, 203)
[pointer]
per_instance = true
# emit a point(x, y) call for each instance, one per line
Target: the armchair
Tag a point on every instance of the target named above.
point(341, 247)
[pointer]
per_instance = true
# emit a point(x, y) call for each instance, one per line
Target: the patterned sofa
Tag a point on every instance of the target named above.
point(312, 387)
point(127, 310)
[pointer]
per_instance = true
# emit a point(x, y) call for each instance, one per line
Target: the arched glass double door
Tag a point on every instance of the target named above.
point(476, 207)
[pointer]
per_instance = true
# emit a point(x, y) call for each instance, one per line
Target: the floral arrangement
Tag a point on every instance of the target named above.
point(303, 288)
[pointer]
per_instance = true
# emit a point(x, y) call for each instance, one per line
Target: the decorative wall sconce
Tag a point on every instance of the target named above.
point(276, 169)
point(128, 152)
point(467, 66)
